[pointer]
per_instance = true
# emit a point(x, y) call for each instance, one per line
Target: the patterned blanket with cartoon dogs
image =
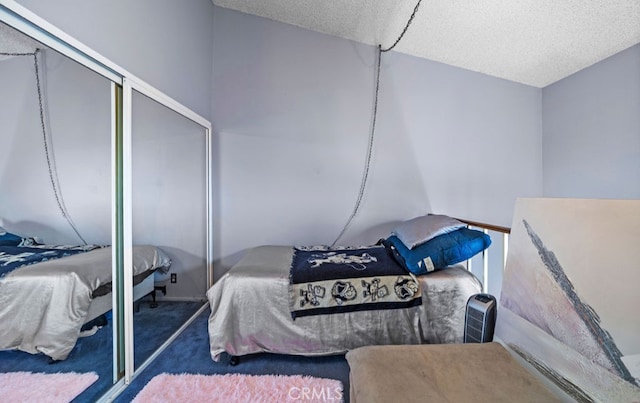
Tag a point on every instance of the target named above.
point(326, 281)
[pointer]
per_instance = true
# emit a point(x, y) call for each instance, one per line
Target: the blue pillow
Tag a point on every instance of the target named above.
point(439, 252)
point(9, 239)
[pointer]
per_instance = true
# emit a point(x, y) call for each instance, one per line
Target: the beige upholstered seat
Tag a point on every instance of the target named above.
point(442, 373)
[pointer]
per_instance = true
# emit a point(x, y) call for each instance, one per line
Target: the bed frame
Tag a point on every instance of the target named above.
point(102, 304)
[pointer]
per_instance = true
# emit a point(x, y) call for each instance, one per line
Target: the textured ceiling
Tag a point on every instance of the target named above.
point(12, 41)
point(534, 42)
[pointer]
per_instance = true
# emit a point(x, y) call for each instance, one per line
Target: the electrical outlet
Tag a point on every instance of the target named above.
point(174, 278)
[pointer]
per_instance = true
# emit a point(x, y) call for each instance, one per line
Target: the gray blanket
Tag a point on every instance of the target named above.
point(250, 312)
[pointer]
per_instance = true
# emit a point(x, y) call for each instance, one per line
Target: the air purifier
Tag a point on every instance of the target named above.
point(480, 318)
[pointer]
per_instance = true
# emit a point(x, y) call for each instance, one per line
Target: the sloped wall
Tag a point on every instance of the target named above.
point(292, 112)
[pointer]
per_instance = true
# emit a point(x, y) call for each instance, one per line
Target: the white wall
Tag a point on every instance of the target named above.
point(591, 131)
point(165, 42)
point(292, 112)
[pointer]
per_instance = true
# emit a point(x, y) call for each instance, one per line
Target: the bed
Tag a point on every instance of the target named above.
point(321, 301)
point(43, 305)
point(251, 312)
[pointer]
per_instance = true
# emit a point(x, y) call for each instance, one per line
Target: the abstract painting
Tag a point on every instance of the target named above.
point(570, 296)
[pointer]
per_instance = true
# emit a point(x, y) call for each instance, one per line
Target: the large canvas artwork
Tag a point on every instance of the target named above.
point(570, 302)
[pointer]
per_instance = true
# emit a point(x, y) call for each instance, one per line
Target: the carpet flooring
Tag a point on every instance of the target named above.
point(94, 353)
point(189, 353)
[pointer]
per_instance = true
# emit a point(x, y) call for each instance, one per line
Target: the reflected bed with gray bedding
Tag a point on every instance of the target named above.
point(43, 305)
point(250, 312)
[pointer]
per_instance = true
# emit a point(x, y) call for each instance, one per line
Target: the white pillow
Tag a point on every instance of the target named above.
point(421, 229)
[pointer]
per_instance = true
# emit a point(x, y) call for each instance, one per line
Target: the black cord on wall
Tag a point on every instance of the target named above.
point(367, 164)
point(45, 138)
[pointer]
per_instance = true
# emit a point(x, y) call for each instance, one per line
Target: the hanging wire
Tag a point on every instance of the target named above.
point(16, 54)
point(50, 163)
point(367, 164)
point(406, 27)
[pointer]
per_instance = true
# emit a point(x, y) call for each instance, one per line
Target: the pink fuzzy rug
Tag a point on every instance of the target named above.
point(239, 388)
point(23, 387)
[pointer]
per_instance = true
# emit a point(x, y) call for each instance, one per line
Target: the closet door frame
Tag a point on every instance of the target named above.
point(129, 85)
point(122, 87)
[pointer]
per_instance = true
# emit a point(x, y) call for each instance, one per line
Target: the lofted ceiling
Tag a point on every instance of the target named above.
point(534, 42)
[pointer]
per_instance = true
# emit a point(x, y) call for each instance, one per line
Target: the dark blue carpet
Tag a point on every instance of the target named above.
point(189, 353)
point(151, 328)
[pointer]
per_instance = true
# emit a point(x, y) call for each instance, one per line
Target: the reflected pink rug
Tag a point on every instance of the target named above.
point(22, 387)
point(239, 388)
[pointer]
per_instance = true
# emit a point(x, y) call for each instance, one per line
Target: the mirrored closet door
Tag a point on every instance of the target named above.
point(169, 214)
point(110, 178)
point(56, 186)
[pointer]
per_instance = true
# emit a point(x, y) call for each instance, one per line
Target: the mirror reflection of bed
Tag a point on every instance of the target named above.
point(56, 219)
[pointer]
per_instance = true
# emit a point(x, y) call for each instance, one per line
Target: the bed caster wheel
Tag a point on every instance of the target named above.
point(234, 360)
